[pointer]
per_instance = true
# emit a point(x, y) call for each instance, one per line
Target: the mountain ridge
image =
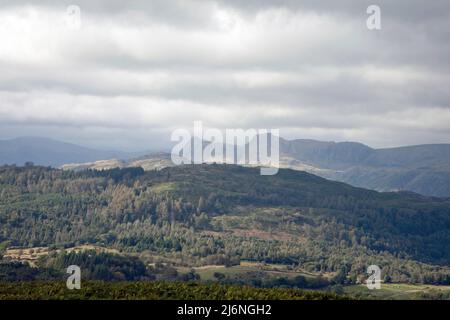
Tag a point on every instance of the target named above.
point(423, 169)
point(52, 152)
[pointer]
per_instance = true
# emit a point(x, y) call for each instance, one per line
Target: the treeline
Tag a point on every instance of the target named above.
point(262, 280)
point(18, 271)
point(152, 290)
point(93, 265)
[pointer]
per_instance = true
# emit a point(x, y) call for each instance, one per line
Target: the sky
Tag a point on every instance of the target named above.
point(128, 73)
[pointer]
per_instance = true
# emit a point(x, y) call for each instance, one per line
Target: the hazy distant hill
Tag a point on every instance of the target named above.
point(150, 161)
point(342, 155)
point(49, 152)
point(423, 169)
point(330, 155)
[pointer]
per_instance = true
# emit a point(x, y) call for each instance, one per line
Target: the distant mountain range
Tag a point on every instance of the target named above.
point(423, 169)
point(49, 152)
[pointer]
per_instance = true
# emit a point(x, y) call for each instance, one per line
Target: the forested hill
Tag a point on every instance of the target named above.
point(200, 214)
point(404, 221)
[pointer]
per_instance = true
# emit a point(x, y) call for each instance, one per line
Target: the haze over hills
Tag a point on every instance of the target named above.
point(50, 152)
point(341, 155)
point(423, 169)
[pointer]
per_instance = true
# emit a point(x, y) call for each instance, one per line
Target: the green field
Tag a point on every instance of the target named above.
point(206, 273)
point(388, 291)
point(399, 292)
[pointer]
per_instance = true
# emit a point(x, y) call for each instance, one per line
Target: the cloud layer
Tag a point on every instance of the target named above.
point(135, 71)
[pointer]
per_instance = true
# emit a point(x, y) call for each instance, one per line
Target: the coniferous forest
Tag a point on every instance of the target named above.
point(167, 225)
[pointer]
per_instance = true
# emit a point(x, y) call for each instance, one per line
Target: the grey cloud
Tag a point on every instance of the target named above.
point(309, 67)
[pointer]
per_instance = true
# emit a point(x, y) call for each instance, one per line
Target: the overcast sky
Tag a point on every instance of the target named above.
point(136, 70)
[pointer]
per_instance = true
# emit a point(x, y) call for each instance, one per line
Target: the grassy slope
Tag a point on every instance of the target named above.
point(206, 273)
